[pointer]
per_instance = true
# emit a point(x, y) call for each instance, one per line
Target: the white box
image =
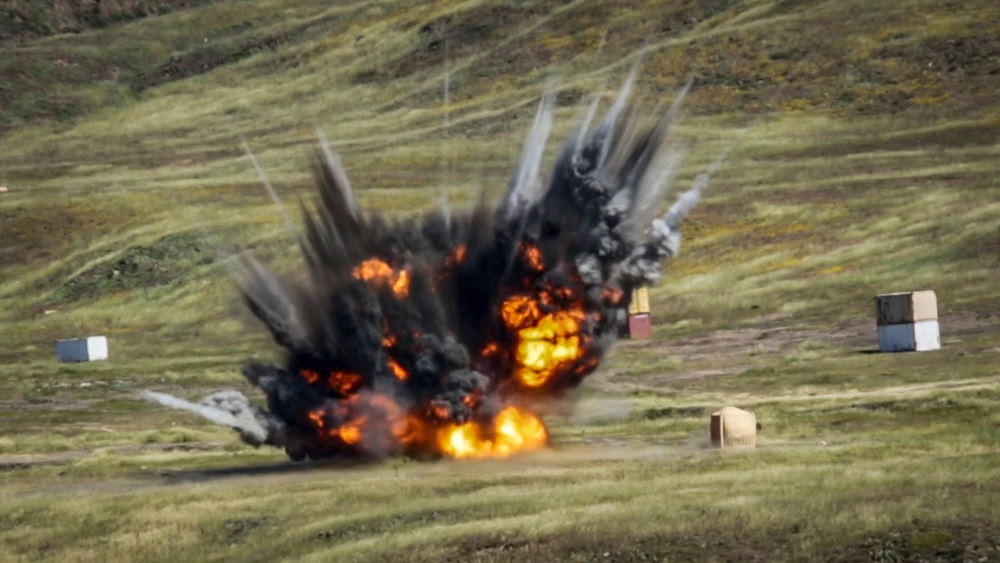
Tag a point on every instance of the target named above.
point(90, 349)
point(909, 337)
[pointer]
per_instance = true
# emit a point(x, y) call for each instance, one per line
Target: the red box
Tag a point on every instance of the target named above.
point(640, 326)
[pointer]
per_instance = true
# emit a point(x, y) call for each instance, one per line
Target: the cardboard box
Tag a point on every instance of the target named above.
point(733, 428)
point(89, 349)
point(905, 308)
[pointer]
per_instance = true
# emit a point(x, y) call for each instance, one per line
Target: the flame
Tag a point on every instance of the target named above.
point(398, 370)
point(401, 284)
point(440, 411)
point(344, 382)
point(612, 295)
point(309, 375)
point(532, 257)
point(378, 272)
point(374, 418)
point(545, 342)
point(513, 430)
point(349, 433)
point(519, 311)
point(547, 346)
point(473, 399)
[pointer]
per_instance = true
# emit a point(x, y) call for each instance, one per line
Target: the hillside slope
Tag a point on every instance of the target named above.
point(866, 157)
point(863, 151)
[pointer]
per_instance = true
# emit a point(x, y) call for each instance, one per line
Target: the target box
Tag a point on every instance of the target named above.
point(920, 336)
point(639, 304)
point(733, 428)
point(907, 322)
point(89, 349)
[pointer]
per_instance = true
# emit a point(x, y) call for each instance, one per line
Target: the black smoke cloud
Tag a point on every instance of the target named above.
point(435, 333)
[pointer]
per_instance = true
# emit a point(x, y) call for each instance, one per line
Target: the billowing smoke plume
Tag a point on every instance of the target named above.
point(435, 334)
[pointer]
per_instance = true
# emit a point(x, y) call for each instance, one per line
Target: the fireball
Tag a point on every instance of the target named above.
point(512, 430)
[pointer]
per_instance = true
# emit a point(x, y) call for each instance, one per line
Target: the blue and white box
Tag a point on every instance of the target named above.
point(89, 349)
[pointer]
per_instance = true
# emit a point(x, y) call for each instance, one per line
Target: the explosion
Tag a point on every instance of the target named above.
point(435, 335)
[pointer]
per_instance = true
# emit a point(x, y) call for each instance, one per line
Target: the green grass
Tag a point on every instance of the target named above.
point(865, 161)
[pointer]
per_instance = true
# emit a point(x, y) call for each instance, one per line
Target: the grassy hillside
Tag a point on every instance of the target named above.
point(865, 144)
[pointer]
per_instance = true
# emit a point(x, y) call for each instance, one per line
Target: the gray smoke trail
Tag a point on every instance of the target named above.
point(226, 408)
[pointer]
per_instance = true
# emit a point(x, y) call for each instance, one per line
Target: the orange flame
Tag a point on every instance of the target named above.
point(532, 256)
point(612, 295)
point(376, 417)
point(440, 411)
point(344, 382)
point(398, 370)
point(401, 284)
point(546, 342)
point(350, 432)
point(473, 399)
point(547, 346)
point(378, 272)
point(519, 311)
point(309, 375)
point(514, 430)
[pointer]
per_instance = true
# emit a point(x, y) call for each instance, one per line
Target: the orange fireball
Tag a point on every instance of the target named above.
point(397, 370)
point(550, 344)
point(514, 430)
point(545, 342)
point(378, 272)
point(374, 418)
point(532, 257)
